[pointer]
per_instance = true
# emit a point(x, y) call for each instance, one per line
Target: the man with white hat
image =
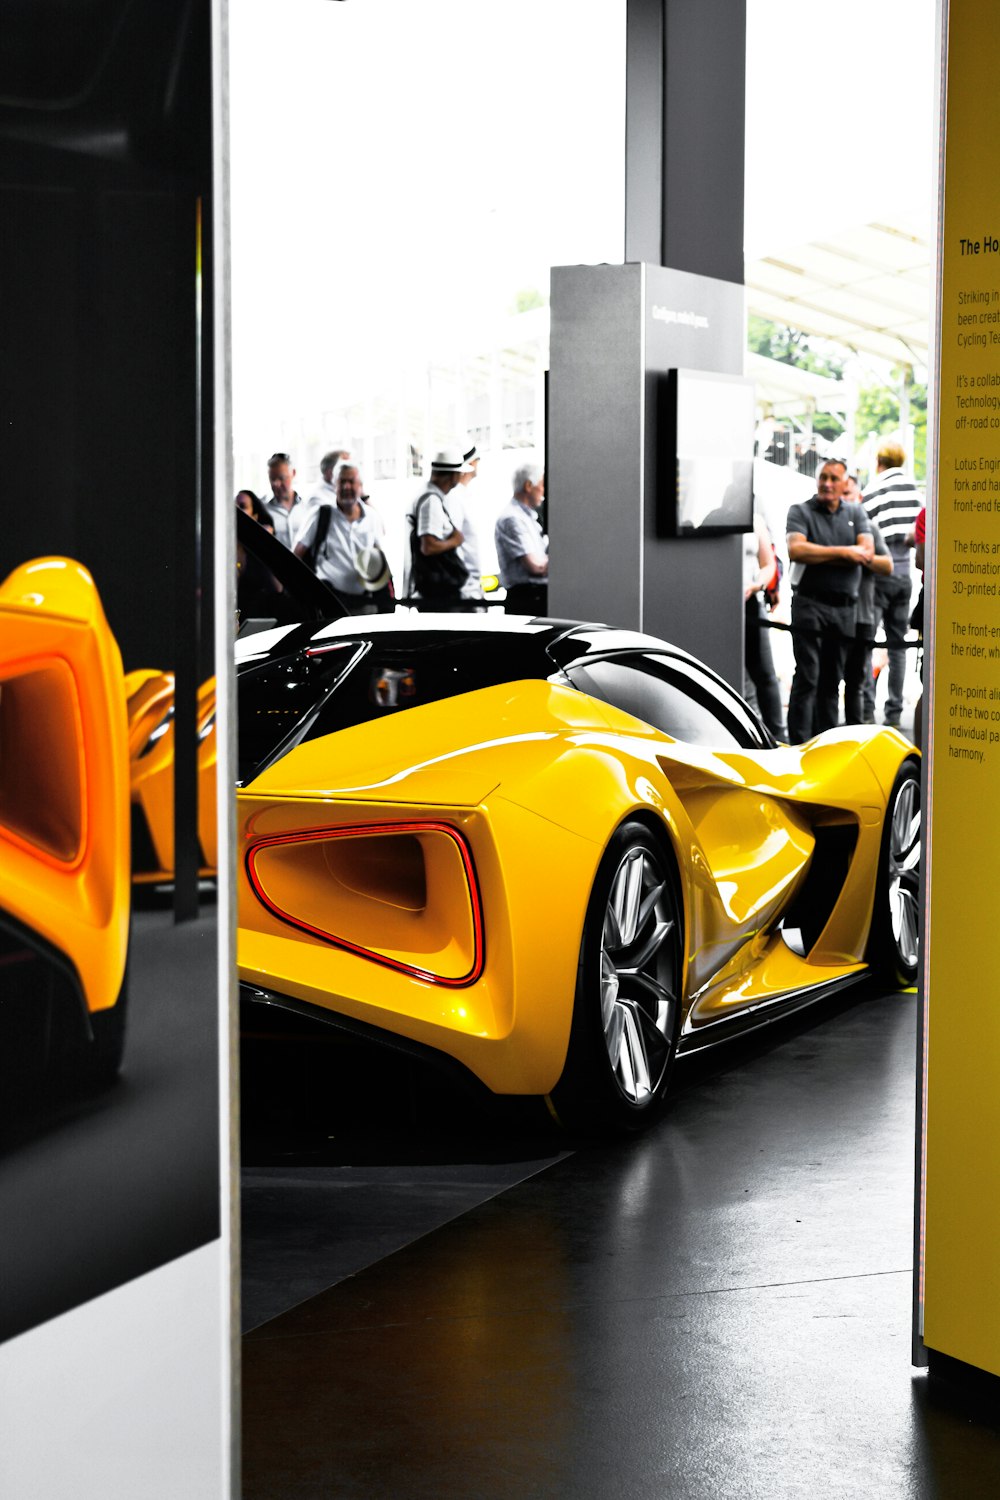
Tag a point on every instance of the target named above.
point(445, 570)
point(470, 460)
point(343, 543)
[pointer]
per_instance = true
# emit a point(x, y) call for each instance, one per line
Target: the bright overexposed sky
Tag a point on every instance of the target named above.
point(401, 168)
point(839, 123)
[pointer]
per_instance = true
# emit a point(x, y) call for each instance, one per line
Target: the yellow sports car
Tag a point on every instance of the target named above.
point(64, 829)
point(558, 854)
point(151, 752)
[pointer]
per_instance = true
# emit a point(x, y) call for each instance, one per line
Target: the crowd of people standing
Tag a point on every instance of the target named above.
point(850, 573)
point(849, 555)
point(339, 534)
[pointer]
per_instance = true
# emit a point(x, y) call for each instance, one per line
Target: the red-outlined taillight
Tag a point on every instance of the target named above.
point(363, 830)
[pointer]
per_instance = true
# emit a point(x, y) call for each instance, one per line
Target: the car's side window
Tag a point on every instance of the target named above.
point(729, 707)
point(671, 696)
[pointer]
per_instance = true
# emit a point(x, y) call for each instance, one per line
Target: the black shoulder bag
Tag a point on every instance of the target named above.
point(322, 527)
point(438, 576)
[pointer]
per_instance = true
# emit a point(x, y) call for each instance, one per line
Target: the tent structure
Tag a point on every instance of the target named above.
point(868, 287)
point(784, 390)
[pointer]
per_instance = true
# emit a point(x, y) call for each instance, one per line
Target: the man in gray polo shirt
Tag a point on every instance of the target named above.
point(829, 540)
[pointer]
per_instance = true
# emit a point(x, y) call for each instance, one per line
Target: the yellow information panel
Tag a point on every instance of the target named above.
point(961, 1240)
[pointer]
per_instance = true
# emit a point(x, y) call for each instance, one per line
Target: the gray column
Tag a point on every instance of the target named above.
point(615, 330)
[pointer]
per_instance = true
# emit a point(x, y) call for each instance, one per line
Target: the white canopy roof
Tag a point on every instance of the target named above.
point(867, 287)
point(785, 390)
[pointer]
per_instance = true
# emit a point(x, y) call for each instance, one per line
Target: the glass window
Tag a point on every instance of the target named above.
point(278, 697)
point(675, 697)
point(304, 694)
point(397, 675)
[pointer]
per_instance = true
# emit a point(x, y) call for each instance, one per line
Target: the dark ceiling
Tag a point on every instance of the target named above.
point(129, 77)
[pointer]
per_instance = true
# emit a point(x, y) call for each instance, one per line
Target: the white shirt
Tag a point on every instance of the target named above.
point(438, 515)
point(288, 524)
point(325, 495)
point(751, 549)
point(344, 541)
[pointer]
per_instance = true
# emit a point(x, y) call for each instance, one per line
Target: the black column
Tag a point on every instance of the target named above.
point(684, 135)
point(105, 152)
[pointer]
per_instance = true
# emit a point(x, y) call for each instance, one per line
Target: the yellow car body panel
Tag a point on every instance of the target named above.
point(492, 1026)
point(64, 815)
point(536, 796)
point(150, 708)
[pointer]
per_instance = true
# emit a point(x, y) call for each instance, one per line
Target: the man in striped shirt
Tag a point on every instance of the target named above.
point(894, 502)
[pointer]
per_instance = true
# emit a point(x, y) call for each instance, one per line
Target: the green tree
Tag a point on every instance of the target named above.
point(879, 413)
point(527, 298)
point(878, 405)
point(792, 347)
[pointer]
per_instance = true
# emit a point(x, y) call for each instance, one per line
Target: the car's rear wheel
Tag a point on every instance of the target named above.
point(893, 948)
point(627, 1006)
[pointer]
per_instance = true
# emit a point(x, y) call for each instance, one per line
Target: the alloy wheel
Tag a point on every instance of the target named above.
point(639, 974)
point(904, 871)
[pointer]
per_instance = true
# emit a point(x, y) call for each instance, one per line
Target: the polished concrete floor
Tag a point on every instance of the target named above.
point(720, 1308)
point(350, 1153)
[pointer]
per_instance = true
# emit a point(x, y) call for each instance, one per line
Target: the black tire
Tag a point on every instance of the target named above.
point(893, 946)
point(49, 1047)
point(27, 1002)
point(87, 1049)
point(626, 1010)
point(102, 1056)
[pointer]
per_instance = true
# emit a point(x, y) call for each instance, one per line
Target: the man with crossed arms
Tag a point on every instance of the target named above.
point(829, 541)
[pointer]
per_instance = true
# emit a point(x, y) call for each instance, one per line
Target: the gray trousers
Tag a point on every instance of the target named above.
point(892, 609)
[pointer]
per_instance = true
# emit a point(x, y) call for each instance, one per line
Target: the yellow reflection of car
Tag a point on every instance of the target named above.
point(64, 828)
point(151, 752)
point(559, 855)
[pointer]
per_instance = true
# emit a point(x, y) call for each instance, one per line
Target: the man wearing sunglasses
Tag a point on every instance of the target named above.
point(287, 509)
